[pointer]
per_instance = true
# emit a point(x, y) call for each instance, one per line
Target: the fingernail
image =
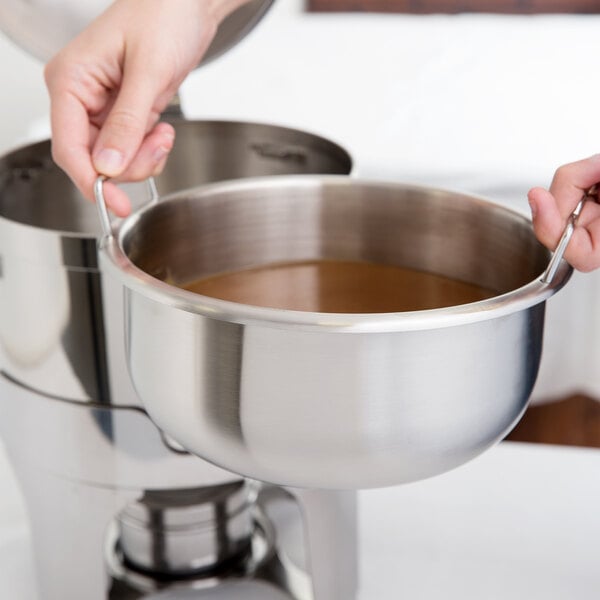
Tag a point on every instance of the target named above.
point(109, 162)
point(160, 153)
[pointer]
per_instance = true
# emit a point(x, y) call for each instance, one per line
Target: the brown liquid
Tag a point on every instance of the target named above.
point(338, 287)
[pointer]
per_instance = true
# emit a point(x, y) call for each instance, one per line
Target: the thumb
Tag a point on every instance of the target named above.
point(125, 126)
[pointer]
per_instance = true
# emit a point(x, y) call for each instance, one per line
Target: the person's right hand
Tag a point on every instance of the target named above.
point(552, 208)
point(109, 86)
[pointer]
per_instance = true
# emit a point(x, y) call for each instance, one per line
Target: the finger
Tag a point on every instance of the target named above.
point(72, 136)
point(123, 132)
point(583, 250)
point(548, 222)
point(150, 161)
point(152, 154)
point(116, 200)
point(580, 251)
point(160, 167)
point(571, 180)
point(70, 141)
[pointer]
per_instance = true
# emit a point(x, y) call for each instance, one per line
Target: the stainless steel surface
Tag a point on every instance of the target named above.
point(304, 547)
point(557, 256)
point(331, 400)
point(43, 28)
point(87, 456)
point(68, 522)
point(232, 590)
point(56, 317)
point(329, 537)
point(185, 532)
point(96, 445)
point(83, 469)
point(80, 465)
point(210, 151)
point(132, 584)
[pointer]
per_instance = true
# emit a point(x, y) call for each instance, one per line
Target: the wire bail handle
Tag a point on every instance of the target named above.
point(550, 271)
point(101, 202)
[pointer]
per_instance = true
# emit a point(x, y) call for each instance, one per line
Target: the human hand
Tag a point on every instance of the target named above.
point(552, 208)
point(109, 86)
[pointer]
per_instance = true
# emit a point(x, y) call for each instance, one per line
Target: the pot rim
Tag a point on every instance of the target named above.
point(118, 263)
point(43, 146)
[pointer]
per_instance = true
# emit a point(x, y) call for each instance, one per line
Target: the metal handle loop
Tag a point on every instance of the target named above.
point(557, 256)
point(101, 202)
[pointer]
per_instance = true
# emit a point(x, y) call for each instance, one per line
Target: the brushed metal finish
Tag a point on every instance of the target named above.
point(96, 445)
point(43, 28)
point(57, 320)
point(210, 151)
point(331, 400)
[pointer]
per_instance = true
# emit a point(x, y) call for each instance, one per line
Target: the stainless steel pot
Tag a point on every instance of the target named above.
point(53, 317)
point(331, 400)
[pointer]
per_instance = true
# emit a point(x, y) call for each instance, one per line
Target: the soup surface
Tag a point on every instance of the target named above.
point(333, 286)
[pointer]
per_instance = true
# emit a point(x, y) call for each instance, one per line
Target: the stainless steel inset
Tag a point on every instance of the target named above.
point(331, 400)
point(184, 532)
point(43, 28)
point(54, 312)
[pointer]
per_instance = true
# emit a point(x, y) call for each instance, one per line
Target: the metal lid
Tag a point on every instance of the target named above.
point(42, 28)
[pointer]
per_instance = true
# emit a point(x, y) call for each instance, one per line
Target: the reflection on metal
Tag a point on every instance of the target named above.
point(93, 468)
point(61, 322)
point(131, 520)
point(331, 400)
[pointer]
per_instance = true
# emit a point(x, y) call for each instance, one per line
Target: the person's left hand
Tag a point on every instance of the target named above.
point(552, 208)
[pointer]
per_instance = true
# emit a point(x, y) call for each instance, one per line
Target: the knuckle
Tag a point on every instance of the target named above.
point(592, 263)
point(135, 173)
point(49, 70)
point(58, 154)
point(59, 71)
point(53, 68)
point(142, 169)
point(159, 168)
point(124, 123)
point(563, 171)
point(585, 266)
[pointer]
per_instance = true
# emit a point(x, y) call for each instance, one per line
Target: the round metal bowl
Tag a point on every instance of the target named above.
point(331, 400)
